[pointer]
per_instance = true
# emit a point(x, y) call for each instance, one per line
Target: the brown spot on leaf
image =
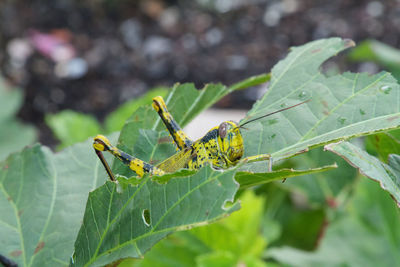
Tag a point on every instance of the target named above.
point(164, 140)
point(20, 213)
point(325, 103)
point(39, 246)
point(136, 118)
point(331, 201)
point(393, 118)
point(9, 198)
point(326, 112)
point(153, 162)
point(316, 50)
point(16, 253)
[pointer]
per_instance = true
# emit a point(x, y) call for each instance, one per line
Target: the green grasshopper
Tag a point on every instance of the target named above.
point(221, 146)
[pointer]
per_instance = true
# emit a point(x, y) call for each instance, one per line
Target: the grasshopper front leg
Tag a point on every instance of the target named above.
point(140, 167)
point(179, 136)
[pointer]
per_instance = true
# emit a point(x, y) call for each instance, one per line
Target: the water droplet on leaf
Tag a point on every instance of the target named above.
point(303, 95)
point(341, 120)
point(386, 89)
point(272, 121)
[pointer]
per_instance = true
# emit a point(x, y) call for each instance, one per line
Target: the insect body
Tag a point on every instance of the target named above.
point(221, 146)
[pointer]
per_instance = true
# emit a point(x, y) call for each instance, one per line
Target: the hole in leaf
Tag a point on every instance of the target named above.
point(146, 217)
point(227, 204)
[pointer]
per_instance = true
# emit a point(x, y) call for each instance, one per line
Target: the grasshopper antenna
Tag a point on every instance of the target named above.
point(269, 114)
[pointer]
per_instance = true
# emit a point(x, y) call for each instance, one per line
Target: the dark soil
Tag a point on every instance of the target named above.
point(129, 47)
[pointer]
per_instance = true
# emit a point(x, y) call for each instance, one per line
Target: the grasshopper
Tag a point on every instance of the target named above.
point(221, 146)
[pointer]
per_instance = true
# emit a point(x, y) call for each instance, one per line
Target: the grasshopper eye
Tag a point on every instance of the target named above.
point(222, 130)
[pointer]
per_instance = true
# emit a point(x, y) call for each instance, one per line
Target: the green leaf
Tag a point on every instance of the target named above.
point(388, 175)
point(13, 134)
point(248, 179)
point(326, 189)
point(42, 197)
point(341, 106)
point(71, 127)
point(114, 225)
point(367, 235)
point(252, 81)
point(116, 120)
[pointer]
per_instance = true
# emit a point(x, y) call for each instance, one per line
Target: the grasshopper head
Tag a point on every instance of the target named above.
point(230, 141)
point(101, 143)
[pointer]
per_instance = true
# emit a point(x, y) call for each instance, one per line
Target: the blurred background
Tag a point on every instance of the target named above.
point(91, 56)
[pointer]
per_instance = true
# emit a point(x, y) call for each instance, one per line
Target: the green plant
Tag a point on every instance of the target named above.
point(71, 127)
point(44, 209)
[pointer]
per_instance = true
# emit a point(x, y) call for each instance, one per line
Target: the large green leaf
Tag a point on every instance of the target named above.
point(119, 225)
point(341, 106)
point(367, 235)
point(388, 175)
point(13, 134)
point(42, 200)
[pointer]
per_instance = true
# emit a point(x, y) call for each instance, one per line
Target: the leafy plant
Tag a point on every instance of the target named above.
point(122, 222)
point(71, 127)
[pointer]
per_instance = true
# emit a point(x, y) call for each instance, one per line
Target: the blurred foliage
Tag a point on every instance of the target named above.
point(71, 127)
point(366, 233)
point(13, 134)
point(372, 50)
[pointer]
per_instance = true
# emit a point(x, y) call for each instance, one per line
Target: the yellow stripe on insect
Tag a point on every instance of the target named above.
point(137, 166)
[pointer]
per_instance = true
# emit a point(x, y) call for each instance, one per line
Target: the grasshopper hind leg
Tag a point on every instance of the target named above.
point(179, 136)
point(140, 167)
